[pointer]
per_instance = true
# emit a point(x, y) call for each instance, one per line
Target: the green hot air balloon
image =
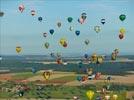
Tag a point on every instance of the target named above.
point(46, 45)
point(122, 17)
point(70, 19)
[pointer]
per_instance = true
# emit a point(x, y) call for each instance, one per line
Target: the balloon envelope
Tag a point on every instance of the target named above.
point(21, 8)
point(103, 21)
point(90, 94)
point(77, 32)
point(122, 17)
point(45, 34)
point(47, 45)
point(1, 13)
point(32, 12)
point(59, 24)
point(51, 31)
point(97, 29)
point(18, 49)
point(70, 19)
point(86, 41)
point(46, 75)
point(40, 19)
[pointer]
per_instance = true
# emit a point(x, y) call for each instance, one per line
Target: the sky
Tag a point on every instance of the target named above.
point(22, 29)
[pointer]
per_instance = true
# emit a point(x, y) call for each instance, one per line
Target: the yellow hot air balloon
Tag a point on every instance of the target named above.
point(90, 94)
point(115, 96)
point(46, 75)
point(18, 49)
point(122, 30)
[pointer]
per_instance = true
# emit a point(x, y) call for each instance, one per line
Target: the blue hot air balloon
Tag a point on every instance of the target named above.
point(77, 32)
point(51, 31)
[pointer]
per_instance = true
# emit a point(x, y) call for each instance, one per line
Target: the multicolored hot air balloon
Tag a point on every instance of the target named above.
point(21, 8)
point(63, 42)
point(18, 49)
point(32, 12)
point(97, 29)
point(122, 17)
point(84, 16)
point(45, 34)
point(90, 94)
point(46, 45)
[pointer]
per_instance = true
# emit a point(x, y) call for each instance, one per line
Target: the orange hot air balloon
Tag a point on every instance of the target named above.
point(18, 49)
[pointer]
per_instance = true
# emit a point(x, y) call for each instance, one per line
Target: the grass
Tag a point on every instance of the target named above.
point(24, 75)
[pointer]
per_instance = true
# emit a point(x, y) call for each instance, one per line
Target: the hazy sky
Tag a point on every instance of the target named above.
point(22, 29)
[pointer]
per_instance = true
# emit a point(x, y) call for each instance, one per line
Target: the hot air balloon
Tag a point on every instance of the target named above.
point(79, 78)
point(115, 96)
point(86, 41)
point(113, 56)
point(122, 17)
point(45, 34)
point(97, 29)
point(80, 20)
point(62, 40)
point(46, 75)
point(51, 31)
point(99, 59)
point(40, 19)
point(90, 94)
point(21, 8)
point(59, 24)
point(59, 61)
point(121, 36)
point(107, 97)
point(94, 58)
point(65, 44)
point(103, 21)
point(122, 30)
point(32, 12)
point(70, 19)
point(52, 54)
point(46, 45)
point(58, 54)
point(77, 32)
point(34, 70)
point(84, 16)
point(1, 13)
point(71, 28)
point(18, 49)
point(86, 56)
